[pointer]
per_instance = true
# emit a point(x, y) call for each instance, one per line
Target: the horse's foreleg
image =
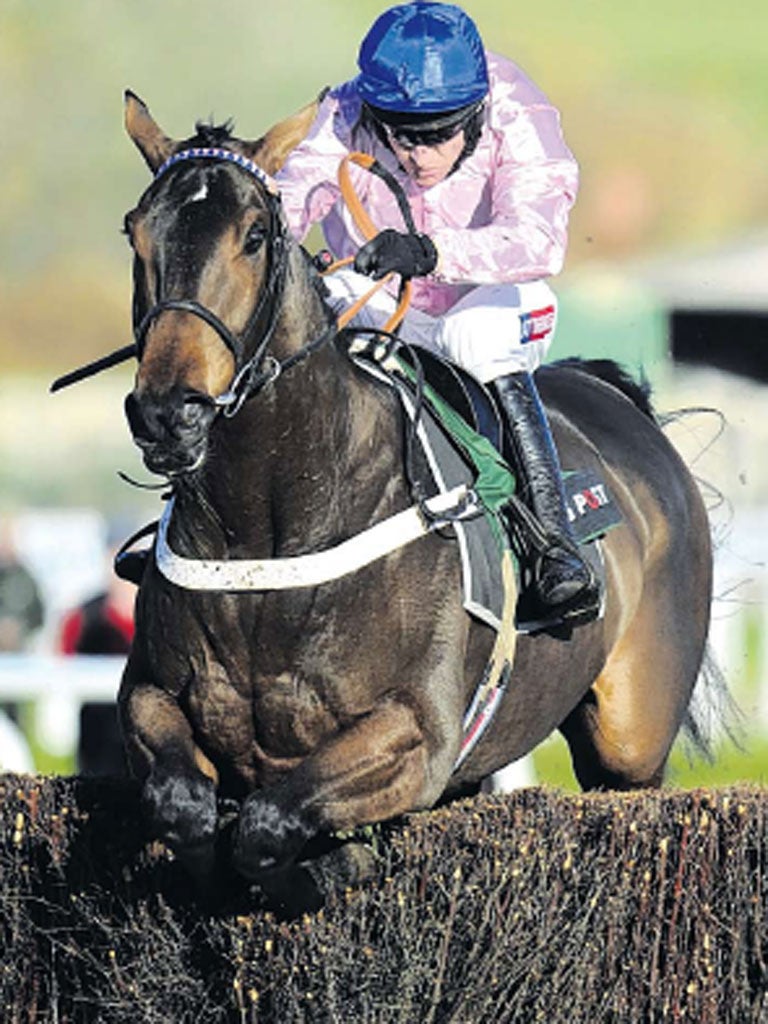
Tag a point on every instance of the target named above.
point(179, 782)
point(377, 768)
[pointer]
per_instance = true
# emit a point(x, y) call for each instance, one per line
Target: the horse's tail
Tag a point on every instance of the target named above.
point(713, 714)
point(610, 372)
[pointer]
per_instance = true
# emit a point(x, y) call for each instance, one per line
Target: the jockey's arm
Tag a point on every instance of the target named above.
point(307, 180)
point(527, 235)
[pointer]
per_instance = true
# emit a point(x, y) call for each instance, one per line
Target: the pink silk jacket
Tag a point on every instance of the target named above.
point(501, 217)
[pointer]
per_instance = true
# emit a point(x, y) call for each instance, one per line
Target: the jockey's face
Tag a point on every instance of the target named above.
point(428, 165)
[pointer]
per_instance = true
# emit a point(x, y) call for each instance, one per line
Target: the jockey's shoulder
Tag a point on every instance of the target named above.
point(511, 90)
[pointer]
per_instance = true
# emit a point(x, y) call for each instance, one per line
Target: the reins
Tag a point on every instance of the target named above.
point(369, 230)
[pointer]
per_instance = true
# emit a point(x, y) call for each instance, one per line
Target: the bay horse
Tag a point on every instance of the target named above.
point(317, 708)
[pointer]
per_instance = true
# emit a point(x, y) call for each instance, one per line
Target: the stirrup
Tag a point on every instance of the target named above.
point(539, 619)
point(536, 615)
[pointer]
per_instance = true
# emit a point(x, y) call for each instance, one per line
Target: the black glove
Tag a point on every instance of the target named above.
point(409, 255)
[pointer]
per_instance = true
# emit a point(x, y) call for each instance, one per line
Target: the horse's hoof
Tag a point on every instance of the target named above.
point(346, 867)
point(289, 892)
point(266, 837)
point(305, 888)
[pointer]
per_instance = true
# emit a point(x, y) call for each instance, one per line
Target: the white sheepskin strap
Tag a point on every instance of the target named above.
point(253, 574)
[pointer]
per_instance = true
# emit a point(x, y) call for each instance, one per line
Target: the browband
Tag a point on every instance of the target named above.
point(216, 153)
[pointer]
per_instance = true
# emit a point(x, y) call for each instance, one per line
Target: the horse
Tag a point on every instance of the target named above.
point(306, 711)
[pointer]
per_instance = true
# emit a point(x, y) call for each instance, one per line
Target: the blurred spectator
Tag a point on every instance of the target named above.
point(21, 606)
point(21, 615)
point(103, 624)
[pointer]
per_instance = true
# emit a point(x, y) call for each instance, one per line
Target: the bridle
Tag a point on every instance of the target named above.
point(254, 372)
point(251, 372)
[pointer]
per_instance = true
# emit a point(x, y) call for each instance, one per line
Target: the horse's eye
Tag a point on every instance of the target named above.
point(254, 239)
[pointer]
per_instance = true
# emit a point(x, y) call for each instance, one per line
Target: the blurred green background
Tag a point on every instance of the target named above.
point(664, 103)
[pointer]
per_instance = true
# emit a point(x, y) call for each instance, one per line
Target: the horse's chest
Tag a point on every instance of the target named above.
point(260, 687)
point(291, 716)
point(266, 722)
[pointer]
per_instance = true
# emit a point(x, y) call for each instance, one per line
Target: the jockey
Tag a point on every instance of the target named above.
point(479, 152)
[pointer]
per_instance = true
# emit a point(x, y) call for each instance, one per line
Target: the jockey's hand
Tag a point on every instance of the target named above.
point(405, 254)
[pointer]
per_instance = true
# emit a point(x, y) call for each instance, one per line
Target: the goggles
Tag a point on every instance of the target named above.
point(409, 136)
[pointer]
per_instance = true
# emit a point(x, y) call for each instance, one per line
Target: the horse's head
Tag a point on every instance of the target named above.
point(210, 252)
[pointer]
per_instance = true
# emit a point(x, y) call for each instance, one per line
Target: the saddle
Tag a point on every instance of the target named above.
point(471, 399)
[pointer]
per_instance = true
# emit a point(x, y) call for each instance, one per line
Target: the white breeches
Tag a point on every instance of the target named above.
point(494, 330)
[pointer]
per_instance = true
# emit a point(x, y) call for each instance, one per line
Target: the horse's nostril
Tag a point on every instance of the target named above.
point(133, 414)
point(196, 412)
point(169, 415)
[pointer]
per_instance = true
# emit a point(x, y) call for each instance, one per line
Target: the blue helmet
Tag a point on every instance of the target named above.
point(421, 58)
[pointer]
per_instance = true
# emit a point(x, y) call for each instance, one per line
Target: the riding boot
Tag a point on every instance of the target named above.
point(562, 586)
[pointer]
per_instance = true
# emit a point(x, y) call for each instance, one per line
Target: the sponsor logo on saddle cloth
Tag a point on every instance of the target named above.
point(537, 325)
point(591, 509)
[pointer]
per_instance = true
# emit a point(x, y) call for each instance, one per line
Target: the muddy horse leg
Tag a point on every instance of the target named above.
point(377, 768)
point(179, 782)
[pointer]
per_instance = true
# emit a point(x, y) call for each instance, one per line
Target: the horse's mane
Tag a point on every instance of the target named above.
point(638, 392)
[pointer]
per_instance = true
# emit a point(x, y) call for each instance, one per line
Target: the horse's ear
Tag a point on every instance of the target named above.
point(153, 143)
point(271, 151)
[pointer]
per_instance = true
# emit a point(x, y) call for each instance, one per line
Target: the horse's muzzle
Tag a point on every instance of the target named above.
point(171, 430)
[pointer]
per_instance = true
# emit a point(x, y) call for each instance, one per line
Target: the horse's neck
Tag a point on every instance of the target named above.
point(313, 459)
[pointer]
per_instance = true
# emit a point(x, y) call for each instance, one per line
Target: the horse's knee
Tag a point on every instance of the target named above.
point(269, 834)
point(623, 770)
point(181, 806)
point(609, 754)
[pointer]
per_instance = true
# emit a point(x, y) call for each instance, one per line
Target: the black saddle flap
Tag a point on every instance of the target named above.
point(471, 399)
